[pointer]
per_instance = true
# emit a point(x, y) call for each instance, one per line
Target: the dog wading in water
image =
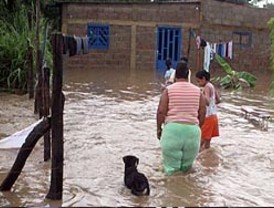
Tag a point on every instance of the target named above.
point(137, 182)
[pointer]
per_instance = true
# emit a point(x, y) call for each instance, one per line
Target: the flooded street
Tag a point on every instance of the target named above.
point(111, 114)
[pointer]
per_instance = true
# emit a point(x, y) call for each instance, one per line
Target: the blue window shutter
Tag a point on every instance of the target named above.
point(98, 35)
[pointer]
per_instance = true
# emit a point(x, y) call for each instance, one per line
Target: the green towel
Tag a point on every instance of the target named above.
point(180, 145)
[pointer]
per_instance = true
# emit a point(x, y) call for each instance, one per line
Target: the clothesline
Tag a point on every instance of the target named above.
point(224, 49)
point(75, 45)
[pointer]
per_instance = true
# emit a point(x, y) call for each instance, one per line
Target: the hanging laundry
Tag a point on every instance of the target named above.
point(214, 47)
point(220, 49)
point(78, 45)
point(192, 34)
point(198, 41)
point(72, 45)
point(211, 51)
point(65, 44)
point(85, 45)
point(207, 52)
point(75, 45)
point(230, 43)
point(224, 49)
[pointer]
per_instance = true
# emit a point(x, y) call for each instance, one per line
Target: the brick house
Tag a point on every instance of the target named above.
point(140, 36)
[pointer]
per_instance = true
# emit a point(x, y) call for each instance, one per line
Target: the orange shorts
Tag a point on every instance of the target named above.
point(210, 127)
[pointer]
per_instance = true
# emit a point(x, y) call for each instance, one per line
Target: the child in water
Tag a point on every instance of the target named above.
point(169, 72)
point(172, 76)
point(210, 127)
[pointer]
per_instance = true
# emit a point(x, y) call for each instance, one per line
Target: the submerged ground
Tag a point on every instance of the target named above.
point(107, 116)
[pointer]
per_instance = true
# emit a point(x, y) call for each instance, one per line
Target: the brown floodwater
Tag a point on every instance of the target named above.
point(109, 114)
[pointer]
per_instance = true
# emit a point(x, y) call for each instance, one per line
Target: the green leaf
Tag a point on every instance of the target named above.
point(243, 81)
point(226, 80)
point(225, 66)
point(234, 79)
point(248, 77)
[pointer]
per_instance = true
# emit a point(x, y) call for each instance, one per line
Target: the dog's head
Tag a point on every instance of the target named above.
point(130, 161)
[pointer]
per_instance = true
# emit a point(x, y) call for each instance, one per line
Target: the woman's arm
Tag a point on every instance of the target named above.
point(206, 93)
point(162, 112)
point(202, 110)
point(217, 97)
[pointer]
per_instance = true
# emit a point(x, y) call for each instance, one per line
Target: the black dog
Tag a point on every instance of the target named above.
point(134, 180)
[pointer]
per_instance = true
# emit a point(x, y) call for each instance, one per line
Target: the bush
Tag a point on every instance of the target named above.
point(15, 35)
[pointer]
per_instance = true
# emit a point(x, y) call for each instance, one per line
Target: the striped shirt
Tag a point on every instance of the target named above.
point(183, 103)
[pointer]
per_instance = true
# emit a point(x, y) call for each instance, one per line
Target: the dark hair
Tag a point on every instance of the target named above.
point(182, 70)
point(203, 73)
point(203, 43)
point(168, 62)
point(184, 59)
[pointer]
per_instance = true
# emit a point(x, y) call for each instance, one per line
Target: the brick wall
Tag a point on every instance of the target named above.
point(145, 48)
point(121, 17)
point(115, 58)
point(219, 20)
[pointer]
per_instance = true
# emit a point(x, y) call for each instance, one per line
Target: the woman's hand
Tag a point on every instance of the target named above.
point(159, 133)
point(162, 112)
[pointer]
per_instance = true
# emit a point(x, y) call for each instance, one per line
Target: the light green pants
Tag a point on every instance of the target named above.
point(180, 145)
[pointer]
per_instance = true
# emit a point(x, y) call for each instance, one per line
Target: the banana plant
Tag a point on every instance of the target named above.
point(234, 79)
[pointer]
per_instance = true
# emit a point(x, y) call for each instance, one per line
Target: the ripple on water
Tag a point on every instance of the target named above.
point(107, 117)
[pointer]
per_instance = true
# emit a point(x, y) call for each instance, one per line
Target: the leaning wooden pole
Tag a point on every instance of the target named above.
point(37, 132)
point(56, 185)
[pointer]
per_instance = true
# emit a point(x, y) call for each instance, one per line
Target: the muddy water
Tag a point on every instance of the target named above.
point(111, 114)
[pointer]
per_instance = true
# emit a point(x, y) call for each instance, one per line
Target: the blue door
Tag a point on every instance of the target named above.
point(168, 46)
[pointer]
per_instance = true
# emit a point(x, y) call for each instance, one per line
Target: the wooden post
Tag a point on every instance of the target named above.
point(198, 59)
point(189, 43)
point(47, 142)
point(39, 96)
point(56, 185)
point(30, 61)
point(38, 105)
point(37, 132)
point(30, 73)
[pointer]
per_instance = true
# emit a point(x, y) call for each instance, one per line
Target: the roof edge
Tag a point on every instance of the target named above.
point(126, 2)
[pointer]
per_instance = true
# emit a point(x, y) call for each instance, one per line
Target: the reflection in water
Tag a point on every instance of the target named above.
point(108, 115)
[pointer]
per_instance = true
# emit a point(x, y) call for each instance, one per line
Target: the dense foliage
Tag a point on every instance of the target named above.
point(17, 33)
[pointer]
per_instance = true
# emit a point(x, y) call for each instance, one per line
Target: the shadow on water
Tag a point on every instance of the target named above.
point(111, 114)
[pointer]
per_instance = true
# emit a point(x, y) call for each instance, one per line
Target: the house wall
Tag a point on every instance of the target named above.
point(220, 19)
point(133, 31)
